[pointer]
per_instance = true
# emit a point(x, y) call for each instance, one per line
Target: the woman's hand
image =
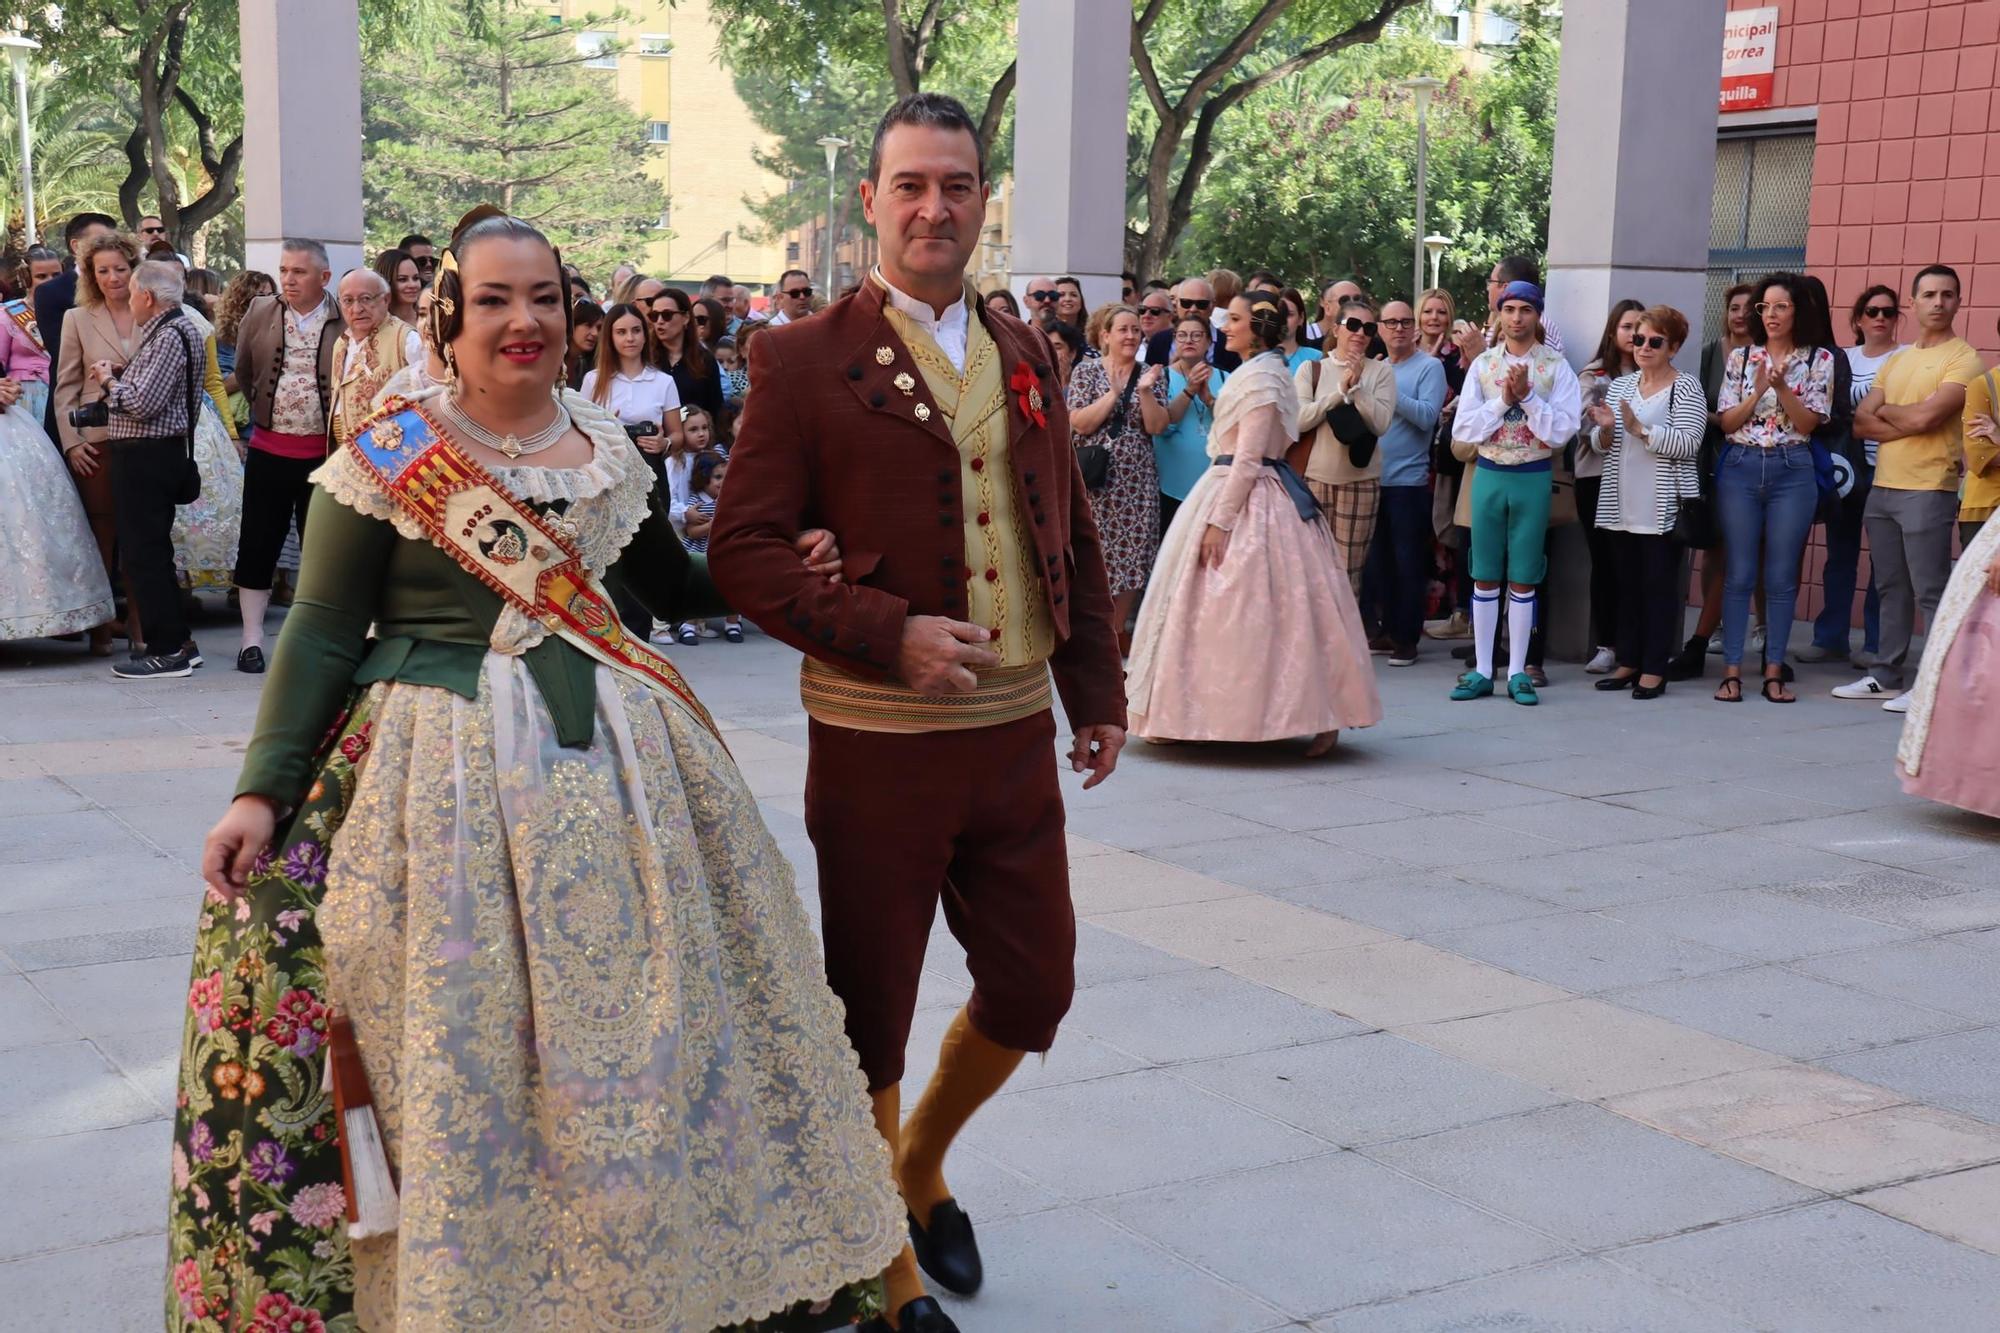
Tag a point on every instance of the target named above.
point(1150, 378)
point(84, 459)
point(1632, 426)
point(1993, 575)
point(1600, 416)
point(1982, 428)
point(652, 444)
point(235, 843)
point(821, 552)
point(1350, 377)
point(1214, 546)
point(1761, 385)
point(10, 392)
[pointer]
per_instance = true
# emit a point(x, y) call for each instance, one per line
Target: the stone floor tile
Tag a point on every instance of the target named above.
point(1123, 881)
point(1598, 878)
point(1581, 776)
point(1755, 1101)
point(1071, 1269)
point(117, 791)
point(1723, 805)
point(110, 946)
point(1271, 860)
point(1584, 951)
point(146, 995)
point(111, 1288)
point(1302, 805)
point(1129, 1132)
point(65, 1089)
point(1452, 793)
point(1588, 1049)
point(1366, 1089)
point(1587, 1176)
point(150, 1060)
point(1464, 748)
point(1336, 1231)
point(1568, 1296)
point(1879, 893)
point(1416, 903)
point(1438, 840)
point(1963, 1206)
point(1573, 822)
point(1758, 924)
point(1890, 837)
point(1403, 981)
point(1104, 956)
point(55, 837)
point(1779, 1010)
point(775, 777)
point(37, 796)
point(1144, 825)
point(1956, 1071)
point(1835, 1266)
point(79, 1189)
point(144, 754)
point(26, 1019)
point(1214, 1014)
point(1740, 860)
point(1873, 1148)
point(1230, 931)
point(1942, 974)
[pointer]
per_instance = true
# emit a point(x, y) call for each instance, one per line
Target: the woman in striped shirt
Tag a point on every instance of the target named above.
point(1655, 418)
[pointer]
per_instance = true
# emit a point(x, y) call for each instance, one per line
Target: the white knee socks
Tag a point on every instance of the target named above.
point(1485, 628)
point(1520, 624)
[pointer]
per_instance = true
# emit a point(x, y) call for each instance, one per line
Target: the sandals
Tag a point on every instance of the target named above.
point(1774, 691)
point(1731, 690)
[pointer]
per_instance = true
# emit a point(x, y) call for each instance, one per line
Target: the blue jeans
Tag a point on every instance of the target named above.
point(1766, 499)
point(1398, 572)
point(1843, 571)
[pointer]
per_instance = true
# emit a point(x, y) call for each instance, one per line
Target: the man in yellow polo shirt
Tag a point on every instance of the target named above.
point(1914, 411)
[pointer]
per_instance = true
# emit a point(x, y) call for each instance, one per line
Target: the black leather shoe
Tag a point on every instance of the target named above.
point(251, 661)
point(1649, 691)
point(1610, 683)
point(946, 1250)
point(922, 1315)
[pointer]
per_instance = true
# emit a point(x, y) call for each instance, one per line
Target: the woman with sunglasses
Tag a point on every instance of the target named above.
point(1349, 491)
point(1876, 315)
point(1775, 394)
point(680, 349)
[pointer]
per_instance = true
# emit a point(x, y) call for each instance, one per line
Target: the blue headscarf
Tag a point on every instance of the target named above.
point(1522, 291)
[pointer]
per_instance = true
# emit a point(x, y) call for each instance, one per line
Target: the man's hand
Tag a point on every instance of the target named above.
point(1515, 388)
point(103, 371)
point(817, 547)
point(1096, 750)
point(940, 655)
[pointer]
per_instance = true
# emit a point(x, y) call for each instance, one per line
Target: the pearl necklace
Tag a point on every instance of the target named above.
point(513, 446)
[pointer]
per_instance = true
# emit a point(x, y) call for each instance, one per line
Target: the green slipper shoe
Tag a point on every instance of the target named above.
point(1522, 687)
point(1472, 685)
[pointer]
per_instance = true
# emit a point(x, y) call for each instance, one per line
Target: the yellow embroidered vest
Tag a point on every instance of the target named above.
point(354, 396)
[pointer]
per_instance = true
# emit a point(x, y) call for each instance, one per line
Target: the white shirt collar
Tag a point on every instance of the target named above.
point(949, 329)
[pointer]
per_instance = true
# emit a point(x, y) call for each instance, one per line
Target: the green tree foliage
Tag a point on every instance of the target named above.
point(503, 110)
point(1318, 179)
point(74, 136)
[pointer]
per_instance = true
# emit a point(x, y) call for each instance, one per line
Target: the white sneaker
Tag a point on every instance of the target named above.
point(1899, 704)
point(708, 631)
point(1454, 626)
point(1756, 643)
point(1602, 663)
point(1866, 688)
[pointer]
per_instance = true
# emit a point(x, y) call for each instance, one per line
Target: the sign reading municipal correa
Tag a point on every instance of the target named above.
point(1749, 58)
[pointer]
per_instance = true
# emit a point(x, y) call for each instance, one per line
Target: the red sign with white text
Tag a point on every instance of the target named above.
point(1749, 58)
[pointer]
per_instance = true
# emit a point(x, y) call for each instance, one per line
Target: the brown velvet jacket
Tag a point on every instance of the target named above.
point(827, 440)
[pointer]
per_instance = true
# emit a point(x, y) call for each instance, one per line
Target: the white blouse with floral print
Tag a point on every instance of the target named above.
point(1808, 373)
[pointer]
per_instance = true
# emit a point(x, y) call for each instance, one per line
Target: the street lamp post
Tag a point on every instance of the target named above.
point(18, 48)
point(833, 144)
point(1435, 245)
point(1422, 87)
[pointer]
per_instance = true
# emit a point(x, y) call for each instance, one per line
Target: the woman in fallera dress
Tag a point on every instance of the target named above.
point(1249, 631)
point(503, 838)
point(1950, 749)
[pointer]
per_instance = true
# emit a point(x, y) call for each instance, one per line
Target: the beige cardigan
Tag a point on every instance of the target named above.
point(89, 335)
point(1374, 398)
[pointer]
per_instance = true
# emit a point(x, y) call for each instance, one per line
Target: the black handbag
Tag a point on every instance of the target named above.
point(1694, 518)
point(1094, 460)
point(1351, 430)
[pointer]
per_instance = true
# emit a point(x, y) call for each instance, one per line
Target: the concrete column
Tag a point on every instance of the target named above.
point(1634, 169)
point(1070, 107)
point(301, 128)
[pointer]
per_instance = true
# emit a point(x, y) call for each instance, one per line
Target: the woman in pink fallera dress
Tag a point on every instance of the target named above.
point(1950, 749)
point(1249, 631)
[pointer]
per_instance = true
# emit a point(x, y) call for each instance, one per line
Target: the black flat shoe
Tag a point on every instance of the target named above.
point(1610, 683)
point(1649, 691)
point(1692, 662)
point(946, 1250)
point(251, 661)
point(922, 1315)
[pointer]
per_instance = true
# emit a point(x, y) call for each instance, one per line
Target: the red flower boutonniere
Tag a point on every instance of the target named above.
point(1027, 387)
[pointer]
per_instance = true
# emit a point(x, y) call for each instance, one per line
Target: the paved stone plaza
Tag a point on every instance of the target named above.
point(1605, 1016)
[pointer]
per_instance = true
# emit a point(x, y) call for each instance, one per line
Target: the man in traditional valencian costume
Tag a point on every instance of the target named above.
point(930, 436)
point(372, 347)
point(1521, 403)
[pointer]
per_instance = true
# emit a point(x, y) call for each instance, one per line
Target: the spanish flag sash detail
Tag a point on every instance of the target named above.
point(525, 557)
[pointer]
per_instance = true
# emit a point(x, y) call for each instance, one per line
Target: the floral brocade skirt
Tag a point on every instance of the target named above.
point(206, 531)
point(609, 1074)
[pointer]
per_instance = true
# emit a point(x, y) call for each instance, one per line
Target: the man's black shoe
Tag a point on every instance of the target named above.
point(251, 661)
point(922, 1315)
point(946, 1250)
point(153, 668)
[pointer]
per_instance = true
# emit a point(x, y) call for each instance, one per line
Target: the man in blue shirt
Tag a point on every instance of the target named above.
point(1399, 558)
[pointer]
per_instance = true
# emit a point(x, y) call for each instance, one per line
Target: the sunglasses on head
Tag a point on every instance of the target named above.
point(1192, 305)
point(1653, 340)
point(797, 293)
point(1880, 312)
point(1044, 296)
point(1353, 325)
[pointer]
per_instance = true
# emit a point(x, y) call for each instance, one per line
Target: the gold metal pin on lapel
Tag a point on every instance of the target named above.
point(907, 384)
point(885, 356)
point(923, 412)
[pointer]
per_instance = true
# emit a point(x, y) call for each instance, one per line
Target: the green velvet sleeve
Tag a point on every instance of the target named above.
point(341, 570)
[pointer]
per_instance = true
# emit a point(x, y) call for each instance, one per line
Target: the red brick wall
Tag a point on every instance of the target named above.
point(1907, 168)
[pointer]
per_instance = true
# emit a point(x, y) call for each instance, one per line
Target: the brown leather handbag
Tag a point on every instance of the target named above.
point(1301, 449)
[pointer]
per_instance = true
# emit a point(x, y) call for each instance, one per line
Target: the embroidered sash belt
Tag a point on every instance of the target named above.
point(1004, 694)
